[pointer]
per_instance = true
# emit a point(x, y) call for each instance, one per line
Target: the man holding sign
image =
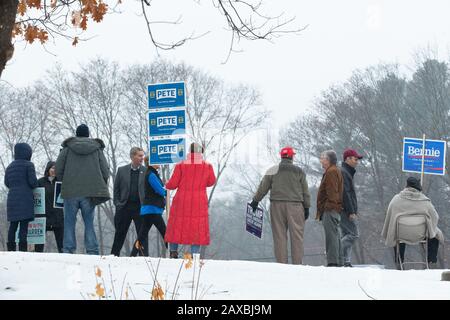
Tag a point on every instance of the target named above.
point(289, 205)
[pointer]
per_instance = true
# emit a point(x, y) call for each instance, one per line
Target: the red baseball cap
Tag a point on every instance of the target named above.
point(351, 153)
point(287, 152)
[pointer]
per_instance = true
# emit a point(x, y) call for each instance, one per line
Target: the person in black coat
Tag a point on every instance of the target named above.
point(55, 216)
point(20, 178)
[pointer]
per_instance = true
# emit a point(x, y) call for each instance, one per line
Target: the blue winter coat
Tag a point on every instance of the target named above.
point(20, 178)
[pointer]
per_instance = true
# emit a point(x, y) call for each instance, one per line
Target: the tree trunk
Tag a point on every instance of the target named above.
point(8, 11)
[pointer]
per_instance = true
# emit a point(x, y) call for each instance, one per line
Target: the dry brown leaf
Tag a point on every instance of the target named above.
point(188, 259)
point(98, 272)
point(99, 11)
point(17, 30)
point(42, 36)
point(83, 23)
point(22, 8)
point(75, 41)
point(34, 3)
point(99, 291)
point(76, 18)
point(158, 293)
point(31, 33)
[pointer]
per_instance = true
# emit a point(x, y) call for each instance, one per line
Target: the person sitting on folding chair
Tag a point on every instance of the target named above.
point(412, 201)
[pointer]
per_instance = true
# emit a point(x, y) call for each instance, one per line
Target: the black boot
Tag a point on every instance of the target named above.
point(11, 246)
point(173, 254)
point(23, 246)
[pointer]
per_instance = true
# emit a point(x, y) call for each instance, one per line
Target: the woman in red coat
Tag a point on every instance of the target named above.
point(188, 220)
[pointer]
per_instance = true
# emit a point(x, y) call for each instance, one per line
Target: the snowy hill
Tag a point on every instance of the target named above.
point(63, 276)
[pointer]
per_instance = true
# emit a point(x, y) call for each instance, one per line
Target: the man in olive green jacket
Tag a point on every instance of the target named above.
point(289, 205)
point(84, 172)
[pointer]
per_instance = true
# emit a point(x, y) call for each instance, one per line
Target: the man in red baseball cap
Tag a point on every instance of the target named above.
point(289, 205)
point(349, 225)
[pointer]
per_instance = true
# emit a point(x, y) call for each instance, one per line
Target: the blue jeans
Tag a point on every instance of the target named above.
point(71, 207)
point(194, 248)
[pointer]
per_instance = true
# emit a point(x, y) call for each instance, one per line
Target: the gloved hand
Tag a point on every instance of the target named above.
point(254, 205)
point(306, 213)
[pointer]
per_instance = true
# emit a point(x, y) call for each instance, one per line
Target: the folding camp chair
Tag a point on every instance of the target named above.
point(412, 229)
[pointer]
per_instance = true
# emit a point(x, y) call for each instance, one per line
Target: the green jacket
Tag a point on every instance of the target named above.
point(286, 182)
point(83, 169)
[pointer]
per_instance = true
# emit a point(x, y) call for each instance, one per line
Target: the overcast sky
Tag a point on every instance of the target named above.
point(341, 36)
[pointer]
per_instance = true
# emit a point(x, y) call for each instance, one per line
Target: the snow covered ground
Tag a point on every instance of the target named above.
point(63, 276)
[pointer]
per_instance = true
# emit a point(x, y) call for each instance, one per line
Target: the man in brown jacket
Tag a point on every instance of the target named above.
point(289, 205)
point(329, 206)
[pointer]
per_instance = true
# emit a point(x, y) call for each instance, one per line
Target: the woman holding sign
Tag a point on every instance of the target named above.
point(20, 178)
point(54, 216)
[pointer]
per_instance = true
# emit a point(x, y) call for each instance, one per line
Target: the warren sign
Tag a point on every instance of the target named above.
point(435, 152)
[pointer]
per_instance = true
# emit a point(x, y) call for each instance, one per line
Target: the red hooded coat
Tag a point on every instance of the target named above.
point(188, 220)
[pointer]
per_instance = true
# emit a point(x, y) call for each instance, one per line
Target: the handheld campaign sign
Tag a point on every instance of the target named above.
point(39, 200)
point(36, 231)
point(58, 201)
point(165, 95)
point(434, 159)
point(254, 221)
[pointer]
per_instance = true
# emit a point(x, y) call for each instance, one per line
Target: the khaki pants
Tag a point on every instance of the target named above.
point(286, 216)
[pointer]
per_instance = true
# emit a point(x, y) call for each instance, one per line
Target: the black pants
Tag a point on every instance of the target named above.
point(59, 236)
point(148, 221)
point(433, 246)
point(122, 221)
point(23, 231)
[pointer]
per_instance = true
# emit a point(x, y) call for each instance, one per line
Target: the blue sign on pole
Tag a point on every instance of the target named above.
point(166, 95)
point(167, 123)
point(254, 221)
point(167, 150)
point(435, 153)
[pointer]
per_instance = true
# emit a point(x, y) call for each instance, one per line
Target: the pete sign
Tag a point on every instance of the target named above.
point(435, 152)
point(164, 95)
point(254, 221)
point(167, 150)
point(167, 123)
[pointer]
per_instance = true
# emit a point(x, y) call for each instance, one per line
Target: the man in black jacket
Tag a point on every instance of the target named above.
point(349, 226)
point(128, 192)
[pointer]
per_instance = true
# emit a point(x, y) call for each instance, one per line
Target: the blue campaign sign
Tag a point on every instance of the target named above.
point(435, 152)
point(167, 150)
point(167, 123)
point(254, 221)
point(165, 95)
point(36, 231)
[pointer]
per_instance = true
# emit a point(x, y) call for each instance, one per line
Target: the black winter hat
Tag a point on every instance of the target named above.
point(82, 131)
point(414, 183)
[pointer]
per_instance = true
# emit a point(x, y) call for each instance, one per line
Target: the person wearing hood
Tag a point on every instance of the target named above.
point(188, 222)
point(289, 205)
point(54, 216)
point(409, 201)
point(20, 179)
point(83, 170)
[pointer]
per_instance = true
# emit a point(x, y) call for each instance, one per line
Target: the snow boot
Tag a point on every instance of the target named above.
point(23, 246)
point(11, 246)
point(173, 254)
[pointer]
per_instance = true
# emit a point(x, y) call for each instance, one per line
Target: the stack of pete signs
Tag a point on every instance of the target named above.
point(167, 122)
point(254, 221)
